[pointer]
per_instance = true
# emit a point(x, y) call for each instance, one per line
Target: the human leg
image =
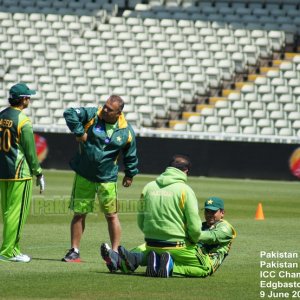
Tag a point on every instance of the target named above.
point(144, 250)
point(159, 261)
point(123, 260)
point(111, 258)
point(114, 230)
point(107, 195)
point(188, 261)
point(77, 229)
point(130, 259)
point(191, 262)
point(82, 202)
point(15, 202)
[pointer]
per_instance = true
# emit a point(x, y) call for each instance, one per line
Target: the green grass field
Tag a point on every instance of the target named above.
point(46, 239)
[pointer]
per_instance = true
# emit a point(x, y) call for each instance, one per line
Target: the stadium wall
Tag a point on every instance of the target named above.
point(209, 158)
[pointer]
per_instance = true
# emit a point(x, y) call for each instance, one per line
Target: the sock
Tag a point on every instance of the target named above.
point(76, 250)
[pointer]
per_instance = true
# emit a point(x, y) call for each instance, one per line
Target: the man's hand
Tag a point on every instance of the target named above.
point(40, 181)
point(82, 138)
point(127, 181)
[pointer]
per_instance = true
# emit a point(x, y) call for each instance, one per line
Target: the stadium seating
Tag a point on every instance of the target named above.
point(163, 56)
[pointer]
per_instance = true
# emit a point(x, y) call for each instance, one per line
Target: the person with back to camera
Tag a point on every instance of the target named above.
point(171, 226)
point(19, 162)
point(183, 258)
point(215, 241)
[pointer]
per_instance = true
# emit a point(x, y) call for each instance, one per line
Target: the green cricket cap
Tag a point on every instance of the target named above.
point(20, 90)
point(214, 203)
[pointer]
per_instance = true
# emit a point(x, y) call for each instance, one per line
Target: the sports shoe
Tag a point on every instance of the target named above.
point(21, 258)
point(18, 258)
point(72, 256)
point(152, 264)
point(131, 259)
point(4, 259)
point(112, 258)
point(166, 265)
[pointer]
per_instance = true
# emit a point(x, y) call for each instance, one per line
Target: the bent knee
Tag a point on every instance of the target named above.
point(111, 215)
point(78, 216)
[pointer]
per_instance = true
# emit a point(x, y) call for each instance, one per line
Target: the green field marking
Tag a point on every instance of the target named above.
point(46, 238)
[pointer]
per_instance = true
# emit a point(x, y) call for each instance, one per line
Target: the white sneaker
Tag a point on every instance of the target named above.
point(20, 258)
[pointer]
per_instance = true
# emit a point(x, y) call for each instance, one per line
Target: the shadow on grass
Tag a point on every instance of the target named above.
point(47, 259)
point(143, 275)
point(119, 273)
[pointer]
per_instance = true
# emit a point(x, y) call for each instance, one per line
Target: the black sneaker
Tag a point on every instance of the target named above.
point(165, 266)
point(132, 260)
point(110, 257)
point(152, 264)
point(72, 256)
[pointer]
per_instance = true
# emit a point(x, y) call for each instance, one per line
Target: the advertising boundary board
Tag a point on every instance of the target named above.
point(209, 158)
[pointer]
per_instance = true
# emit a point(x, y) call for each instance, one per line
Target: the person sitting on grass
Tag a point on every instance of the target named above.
point(171, 226)
point(216, 233)
point(215, 241)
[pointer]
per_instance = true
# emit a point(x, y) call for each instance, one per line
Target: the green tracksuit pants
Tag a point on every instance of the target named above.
point(188, 261)
point(15, 203)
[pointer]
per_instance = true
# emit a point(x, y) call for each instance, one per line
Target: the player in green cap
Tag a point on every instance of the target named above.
point(19, 162)
point(217, 234)
point(171, 225)
point(215, 242)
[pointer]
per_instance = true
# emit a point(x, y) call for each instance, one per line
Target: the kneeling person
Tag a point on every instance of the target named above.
point(171, 226)
point(215, 242)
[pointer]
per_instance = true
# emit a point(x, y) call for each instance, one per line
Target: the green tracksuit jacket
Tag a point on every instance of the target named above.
point(18, 156)
point(216, 241)
point(97, 158)
point(170, 209)
point(18, 162)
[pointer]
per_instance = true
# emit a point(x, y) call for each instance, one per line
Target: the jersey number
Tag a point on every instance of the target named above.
point(5, 140)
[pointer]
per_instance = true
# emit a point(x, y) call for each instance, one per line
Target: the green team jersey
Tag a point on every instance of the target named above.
point(18, 158)
point(170, 209)
point(97, 158)
point(216, 241)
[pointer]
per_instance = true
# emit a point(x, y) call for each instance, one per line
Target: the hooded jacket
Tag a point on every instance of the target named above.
point(170, 209)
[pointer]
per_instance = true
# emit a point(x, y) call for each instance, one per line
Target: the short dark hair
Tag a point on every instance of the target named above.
point(181, 162)
point(15, 101)
point(116, 98)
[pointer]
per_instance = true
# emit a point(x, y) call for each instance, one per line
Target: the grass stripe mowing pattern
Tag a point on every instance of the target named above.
point(46, 238)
